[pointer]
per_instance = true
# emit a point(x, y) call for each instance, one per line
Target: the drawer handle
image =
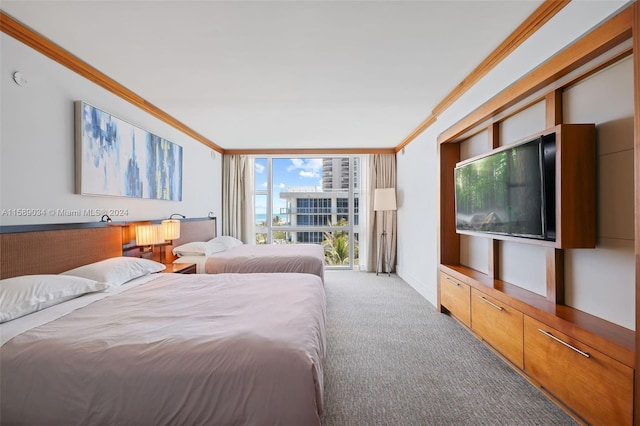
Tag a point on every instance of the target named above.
point(500, 308)
point(452, 281)
point(546, 333)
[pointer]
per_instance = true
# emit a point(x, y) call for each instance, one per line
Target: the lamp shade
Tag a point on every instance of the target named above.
point(384, 199)
point(147, 235)
point(171, 229)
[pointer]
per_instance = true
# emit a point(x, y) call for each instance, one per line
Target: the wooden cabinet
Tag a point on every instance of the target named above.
point(455, 297)
point(597, 387)
point(499, 324)
point(586, 363)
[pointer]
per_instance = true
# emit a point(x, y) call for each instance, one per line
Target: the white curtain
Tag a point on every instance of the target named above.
point(237, 197)
point(382, 174)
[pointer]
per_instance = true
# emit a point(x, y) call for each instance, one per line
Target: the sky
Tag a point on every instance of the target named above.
point(287, 172)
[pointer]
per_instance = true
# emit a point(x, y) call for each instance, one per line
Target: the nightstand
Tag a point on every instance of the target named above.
point(181, 268)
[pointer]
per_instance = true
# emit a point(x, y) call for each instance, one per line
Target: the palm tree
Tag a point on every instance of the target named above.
point(336, 245)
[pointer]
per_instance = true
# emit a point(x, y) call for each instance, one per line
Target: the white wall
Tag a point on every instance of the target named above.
point(418, 174)
point(37, 147)
point(602, 281)
point(417, 244)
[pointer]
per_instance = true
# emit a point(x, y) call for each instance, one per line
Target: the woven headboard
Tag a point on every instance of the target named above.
point(56, 250)
point(201, 229)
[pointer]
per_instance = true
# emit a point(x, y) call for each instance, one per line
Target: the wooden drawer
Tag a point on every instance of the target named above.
point(596, 387)
point(455, 297)
point(499, 324)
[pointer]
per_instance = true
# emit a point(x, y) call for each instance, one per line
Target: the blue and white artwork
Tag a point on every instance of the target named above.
point(119, 159)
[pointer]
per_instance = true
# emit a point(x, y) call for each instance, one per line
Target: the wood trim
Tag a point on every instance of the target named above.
point(604, 37)
point(493, 258)
point(555, 275)
point(449, 239)
point(599, 67)
point(27, 36)
point(554, 257)
point(311, 151)
point(494, 135)
point(533, 23)
point(636, 153)
point(613, 60)
point(499, 120)
point(421, 128)
point(553, 108)
point(494, 245)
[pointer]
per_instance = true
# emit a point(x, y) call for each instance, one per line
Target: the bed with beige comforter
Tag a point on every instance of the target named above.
point(224, 349)
point(268, 258)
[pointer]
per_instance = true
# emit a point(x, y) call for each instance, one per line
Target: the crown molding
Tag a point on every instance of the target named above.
point(533, 23)
point(27, 36)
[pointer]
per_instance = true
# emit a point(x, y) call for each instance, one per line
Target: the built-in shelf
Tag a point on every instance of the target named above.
point(616, 341)
point(502, 313)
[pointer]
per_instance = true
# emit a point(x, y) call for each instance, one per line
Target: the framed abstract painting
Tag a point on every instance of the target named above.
point(116, 158)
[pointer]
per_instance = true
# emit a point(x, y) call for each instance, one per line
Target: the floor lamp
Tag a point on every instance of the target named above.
point(384, 200)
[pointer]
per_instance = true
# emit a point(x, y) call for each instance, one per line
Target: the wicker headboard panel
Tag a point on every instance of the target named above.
point(55, 251)
point(196, 230)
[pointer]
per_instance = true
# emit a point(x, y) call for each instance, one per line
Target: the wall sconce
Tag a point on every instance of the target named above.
point(172, 227)
point(105, 218)
point(149, 235)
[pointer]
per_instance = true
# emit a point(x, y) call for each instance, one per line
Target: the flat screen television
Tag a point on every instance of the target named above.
point(510, 191)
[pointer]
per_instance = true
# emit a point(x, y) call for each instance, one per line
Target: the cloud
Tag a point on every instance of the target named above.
point(296, 163)
point(263, 184)
point(309, 168)
point(282, 185)
point(259, 168)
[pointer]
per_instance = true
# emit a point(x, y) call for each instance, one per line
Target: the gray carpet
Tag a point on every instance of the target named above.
point(392, 359)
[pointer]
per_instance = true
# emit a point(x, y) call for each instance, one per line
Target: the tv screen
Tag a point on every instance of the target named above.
point(503, 192)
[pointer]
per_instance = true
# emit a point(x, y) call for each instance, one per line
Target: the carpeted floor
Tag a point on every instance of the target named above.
point(392, 359)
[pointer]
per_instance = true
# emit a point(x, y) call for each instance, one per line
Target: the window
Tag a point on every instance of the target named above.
point(309, 200)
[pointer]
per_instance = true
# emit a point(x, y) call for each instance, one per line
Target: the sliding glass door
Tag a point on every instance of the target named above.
point(309, 200)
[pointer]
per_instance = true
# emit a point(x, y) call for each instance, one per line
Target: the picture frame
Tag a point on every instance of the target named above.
point(116, 158)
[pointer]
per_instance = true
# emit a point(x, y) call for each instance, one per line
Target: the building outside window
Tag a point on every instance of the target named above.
point(309, 200)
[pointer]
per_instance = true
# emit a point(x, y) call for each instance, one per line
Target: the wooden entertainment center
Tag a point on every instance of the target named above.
point(581, 361)
point(584, 363)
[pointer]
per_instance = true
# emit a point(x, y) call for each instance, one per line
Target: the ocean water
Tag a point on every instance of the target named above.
point(263, 218)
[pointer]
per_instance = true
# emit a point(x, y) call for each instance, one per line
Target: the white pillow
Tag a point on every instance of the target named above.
point(215, 247)
point(117, 270)
point(25, 294)
point(229, 242)
point(198, 248)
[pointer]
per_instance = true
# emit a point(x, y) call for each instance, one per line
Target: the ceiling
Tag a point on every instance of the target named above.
point(283, 74)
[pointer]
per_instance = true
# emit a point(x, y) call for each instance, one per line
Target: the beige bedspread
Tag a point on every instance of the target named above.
point(248, 258)
point(228, 349)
